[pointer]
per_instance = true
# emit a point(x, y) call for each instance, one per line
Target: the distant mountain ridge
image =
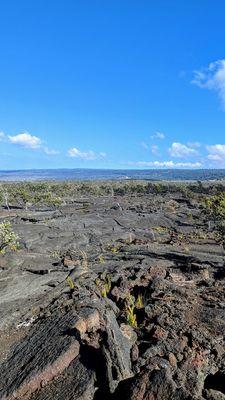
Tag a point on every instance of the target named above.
point(111, 174)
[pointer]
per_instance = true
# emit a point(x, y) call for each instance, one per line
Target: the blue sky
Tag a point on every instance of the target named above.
point(112, 84)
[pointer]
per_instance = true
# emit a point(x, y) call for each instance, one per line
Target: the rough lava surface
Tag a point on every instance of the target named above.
point(63, 342)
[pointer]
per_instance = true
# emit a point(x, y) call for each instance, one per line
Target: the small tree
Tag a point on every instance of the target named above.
point(4, 196)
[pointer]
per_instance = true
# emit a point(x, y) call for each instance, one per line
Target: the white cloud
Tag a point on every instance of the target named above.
point(216, 153)
point(26, 140)
point(88, 155)
point(212, 78)
point(166, 164)
point(74, 152)
point(158, 135)
point(180, 150)
point(2, 136)
point(155, 149)
point(214, 157)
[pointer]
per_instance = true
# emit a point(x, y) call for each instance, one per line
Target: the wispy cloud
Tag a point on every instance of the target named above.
point(102, 154)
point(212, 78)
point(2, 136)
point(194, 145)
point(155, 149)
point(85, 155)
point(144, 145)
point(165, 164)
point(180, 150)
point(158, 135)
point(50, 152)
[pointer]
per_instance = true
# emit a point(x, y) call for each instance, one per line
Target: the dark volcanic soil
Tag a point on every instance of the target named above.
point(60, 342)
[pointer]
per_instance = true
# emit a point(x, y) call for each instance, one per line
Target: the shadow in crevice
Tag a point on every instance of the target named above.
point(215, 382)
point(92, 358)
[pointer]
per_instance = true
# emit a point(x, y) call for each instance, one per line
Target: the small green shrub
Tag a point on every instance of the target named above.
point(70, 283)
point(139, 302)
point(130, 314)
point(215, 205)
point(104, 285)
point(8, 239)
